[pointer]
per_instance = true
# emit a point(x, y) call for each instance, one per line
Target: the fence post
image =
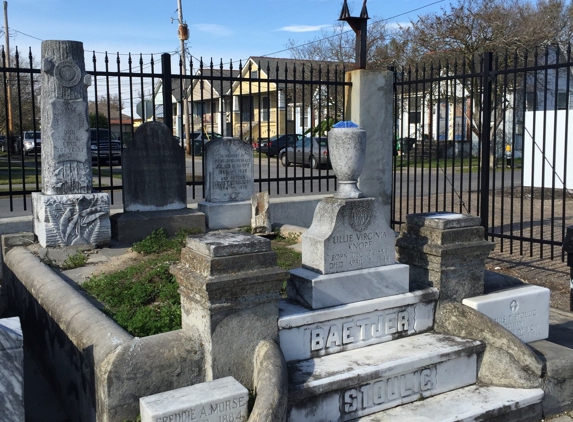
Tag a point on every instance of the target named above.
point(167, 88)
point(485, 141)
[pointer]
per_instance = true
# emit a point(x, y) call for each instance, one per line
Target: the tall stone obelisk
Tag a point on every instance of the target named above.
point(66, 212)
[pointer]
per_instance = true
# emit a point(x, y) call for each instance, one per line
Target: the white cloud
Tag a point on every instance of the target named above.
point(302, 28)
point(213, 29)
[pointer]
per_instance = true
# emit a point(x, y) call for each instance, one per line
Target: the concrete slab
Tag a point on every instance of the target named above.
point(469, 404)
point(348, 385)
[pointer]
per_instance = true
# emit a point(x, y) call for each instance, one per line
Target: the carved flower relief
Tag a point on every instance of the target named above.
point(76, 219)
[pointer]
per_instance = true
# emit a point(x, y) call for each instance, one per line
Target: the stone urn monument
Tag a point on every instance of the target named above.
point(347, 149)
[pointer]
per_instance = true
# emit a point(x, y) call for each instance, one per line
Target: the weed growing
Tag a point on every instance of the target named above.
point(74, 261)
point(287, 258)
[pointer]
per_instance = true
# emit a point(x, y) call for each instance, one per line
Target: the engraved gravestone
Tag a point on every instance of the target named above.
point(154, 171)
point(220, 400)
point(229, 170)
point(348, 251)
point(347, 235)
point(66, 212)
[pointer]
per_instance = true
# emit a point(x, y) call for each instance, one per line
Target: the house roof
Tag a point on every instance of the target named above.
point(288, 67)
point(113, 115)
point(222, 81)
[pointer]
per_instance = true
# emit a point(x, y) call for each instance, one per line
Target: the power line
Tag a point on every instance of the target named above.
point(347, 31)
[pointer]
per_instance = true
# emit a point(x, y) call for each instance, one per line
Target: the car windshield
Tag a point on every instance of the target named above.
point(103, 135)
point(30, 135)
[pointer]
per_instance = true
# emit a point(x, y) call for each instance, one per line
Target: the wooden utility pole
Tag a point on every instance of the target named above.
point(183, 36)
point(10, 127)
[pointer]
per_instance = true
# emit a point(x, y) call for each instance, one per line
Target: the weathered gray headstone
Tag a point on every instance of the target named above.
point(154, 171)
point(228, 184)
point(67, 212)
point(229, 170)
point(11, 370)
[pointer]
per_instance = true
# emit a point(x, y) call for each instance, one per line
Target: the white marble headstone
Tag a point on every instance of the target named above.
point(224, 399)
point(347, 235)
point(522, 310)
point(228, 170)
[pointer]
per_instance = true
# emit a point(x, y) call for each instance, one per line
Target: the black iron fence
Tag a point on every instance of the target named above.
point(260, 101)
point(487, 136)
point(490, 137)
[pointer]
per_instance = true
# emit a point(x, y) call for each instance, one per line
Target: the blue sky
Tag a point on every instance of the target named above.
point(227, 29)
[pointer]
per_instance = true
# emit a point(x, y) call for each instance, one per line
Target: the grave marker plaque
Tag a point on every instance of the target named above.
point(221, 400)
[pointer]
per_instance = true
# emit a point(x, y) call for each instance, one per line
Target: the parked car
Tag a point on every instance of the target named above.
point(199, 139)
point(272, 146)
point(308, 151)
point(3, 144)
point(105, 146)
point(32, 142)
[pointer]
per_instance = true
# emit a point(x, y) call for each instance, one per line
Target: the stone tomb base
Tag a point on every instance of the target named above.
point(72, 219)
point(131, 227)
point(522, 310)
point(317, 291)
point(226, 215)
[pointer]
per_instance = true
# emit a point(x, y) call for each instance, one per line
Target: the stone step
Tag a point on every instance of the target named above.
point(473, 403)
point(305, 333)
point(351, 384)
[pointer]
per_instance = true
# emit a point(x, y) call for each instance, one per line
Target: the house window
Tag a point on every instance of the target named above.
point(247, 108)
point(531, 101)
point(305, 117)
point(265, 109)
point(254, 74)
point(562, 98)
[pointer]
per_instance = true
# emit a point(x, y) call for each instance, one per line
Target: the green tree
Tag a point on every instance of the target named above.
point(98, 120)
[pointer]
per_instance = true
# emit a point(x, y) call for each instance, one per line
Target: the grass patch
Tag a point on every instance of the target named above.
point(287, 258)
point(159, 242)
point(144, 298)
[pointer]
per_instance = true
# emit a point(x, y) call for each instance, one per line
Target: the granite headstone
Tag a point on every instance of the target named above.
point(154, 171)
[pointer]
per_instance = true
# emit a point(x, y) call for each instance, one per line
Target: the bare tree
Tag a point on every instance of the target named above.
point(337, 45)
point(25, 94)
point(455, 40)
